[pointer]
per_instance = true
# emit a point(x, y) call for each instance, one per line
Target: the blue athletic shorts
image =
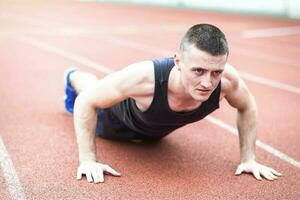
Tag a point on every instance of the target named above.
point(110, 127)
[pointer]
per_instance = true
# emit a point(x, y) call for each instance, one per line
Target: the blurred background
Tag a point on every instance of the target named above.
point(285, 8)
point(40, 39)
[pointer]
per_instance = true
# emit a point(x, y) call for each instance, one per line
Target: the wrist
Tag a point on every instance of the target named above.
point(248, 159)
point(247, 154)
point(90, 157)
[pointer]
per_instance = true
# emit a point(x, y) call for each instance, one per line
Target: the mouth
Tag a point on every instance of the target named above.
point(203, 91)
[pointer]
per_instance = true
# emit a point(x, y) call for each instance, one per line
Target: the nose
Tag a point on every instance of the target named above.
point(206, 82)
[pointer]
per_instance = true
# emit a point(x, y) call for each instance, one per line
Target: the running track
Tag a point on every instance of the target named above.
point(40, 39)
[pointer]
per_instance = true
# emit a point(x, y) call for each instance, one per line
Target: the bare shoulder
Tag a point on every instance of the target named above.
point(136, 79)
point(230, 80)
point(132, 81)
point(235, 90)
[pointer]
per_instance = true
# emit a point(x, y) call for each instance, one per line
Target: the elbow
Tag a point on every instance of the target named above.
point(83, 104)
point(249, 107)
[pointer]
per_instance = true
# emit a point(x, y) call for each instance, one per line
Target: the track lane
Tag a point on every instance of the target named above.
point(267, 130)
point(87, 50)
point(244, 55)
point(56, 139)
point(165, 154)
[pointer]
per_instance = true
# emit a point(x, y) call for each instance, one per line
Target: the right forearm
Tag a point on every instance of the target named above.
point(85, 119)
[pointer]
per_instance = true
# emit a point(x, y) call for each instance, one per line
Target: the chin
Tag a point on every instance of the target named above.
point(200, 98)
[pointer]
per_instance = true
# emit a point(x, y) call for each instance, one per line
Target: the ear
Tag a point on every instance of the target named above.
point(177, 60)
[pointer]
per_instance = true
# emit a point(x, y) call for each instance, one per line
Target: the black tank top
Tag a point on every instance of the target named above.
point(159, 119)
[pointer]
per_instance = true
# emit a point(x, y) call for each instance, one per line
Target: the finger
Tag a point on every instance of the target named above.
point(79, 174)
point(89, 177)
point(257, 175)
point(275, 172)
point(111, 170)
point(239, 170)
point(101, 177)
point(96, 177)
point(267, 176)
point(272, 175)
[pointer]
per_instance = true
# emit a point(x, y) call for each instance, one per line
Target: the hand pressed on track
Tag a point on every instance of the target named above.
point(257, 170)
point(94, 171)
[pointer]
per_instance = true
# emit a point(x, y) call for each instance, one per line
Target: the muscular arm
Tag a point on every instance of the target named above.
point(247, 128)
point(129, 82)
point(85, 119)
point(238, 96)
point(102, 95)
point(105, 94)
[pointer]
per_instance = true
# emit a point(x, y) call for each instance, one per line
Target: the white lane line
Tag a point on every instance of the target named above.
point(147, 48)
point(270, 83)
point(259, 143)
point(237, 50)
point(63, 30)
point(10, 174)
point(272, 32)
point(244, 75)
point(63, 53)
point(137, 46)
point(259, 55)
point(106, 70)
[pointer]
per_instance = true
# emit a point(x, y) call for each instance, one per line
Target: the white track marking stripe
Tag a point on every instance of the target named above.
point(92, 64)
point(106, 70)
point(148, 48)
point(271, 32)
point(259, 143)
point(270, 83)
point(63, 53)
point(10, 174)
point(244, 75)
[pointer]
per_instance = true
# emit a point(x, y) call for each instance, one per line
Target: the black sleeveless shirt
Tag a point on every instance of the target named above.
point(159, 119)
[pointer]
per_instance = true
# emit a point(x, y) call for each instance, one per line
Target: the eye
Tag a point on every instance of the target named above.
point(199, 71)
point(216, 73)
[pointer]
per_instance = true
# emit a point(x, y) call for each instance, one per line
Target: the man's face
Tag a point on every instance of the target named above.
point(200, 72)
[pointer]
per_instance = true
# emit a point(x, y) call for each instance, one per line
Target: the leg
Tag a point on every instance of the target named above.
point(75, 82)
point(108, 126)
point(82, 80)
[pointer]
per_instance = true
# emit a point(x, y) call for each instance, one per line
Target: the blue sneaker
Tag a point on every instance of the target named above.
point(70, 93)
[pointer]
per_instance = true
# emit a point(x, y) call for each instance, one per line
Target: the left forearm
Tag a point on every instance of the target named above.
point(247, 128)
point(239, 97)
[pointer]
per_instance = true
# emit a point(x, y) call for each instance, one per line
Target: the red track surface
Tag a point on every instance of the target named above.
point(195, 162)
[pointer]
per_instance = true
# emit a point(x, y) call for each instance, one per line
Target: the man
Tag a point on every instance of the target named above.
point(150, 99)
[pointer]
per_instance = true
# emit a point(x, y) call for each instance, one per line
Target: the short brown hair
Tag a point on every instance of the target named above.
point(205, 37)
